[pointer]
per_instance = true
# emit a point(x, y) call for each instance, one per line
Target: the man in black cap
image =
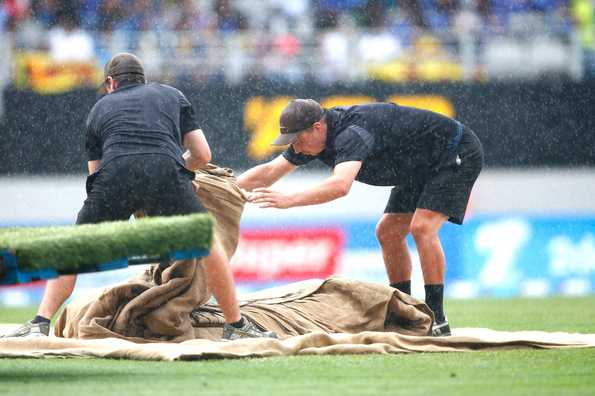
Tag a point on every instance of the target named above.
point(135, 136)
point(431, 160)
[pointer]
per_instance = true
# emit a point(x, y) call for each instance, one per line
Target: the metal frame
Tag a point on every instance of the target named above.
point(11, 274)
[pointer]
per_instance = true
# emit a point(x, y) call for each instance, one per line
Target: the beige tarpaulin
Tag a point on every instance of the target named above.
point(316, 343)
point(335, 316)
point(152, 314)
point(163, 314)
point(218, 191)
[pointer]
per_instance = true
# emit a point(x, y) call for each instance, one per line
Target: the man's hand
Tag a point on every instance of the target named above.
point(264, 175)
point(267, 198)
point(331, 188)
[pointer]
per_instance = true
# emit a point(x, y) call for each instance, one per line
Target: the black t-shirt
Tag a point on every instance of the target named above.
point(392, 142)
point(139, 119)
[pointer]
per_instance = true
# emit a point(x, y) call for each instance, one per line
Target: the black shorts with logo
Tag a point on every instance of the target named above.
point(445, 189)
point(153, 183)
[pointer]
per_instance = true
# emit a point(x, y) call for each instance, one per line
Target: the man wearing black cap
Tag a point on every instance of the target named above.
point(135, 136)
point(431, 160)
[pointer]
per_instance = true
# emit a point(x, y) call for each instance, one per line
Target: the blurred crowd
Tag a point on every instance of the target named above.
point(234, 15)
point(333, 39)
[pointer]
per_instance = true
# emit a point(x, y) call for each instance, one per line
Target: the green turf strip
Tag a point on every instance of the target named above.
point(72, 248)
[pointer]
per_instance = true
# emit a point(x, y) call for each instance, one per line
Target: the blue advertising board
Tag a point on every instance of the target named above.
point(508, 256)
point(489, 256)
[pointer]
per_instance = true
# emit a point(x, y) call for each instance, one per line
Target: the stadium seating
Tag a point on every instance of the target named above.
point(330, 40)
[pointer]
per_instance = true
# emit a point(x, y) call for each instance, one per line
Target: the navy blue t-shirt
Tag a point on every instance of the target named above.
point(139, 119)
point(392, 142)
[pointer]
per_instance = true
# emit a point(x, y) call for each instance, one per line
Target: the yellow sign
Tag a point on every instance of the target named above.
point(435, 103)
point(261, 115)
point(334, 101)
point(37, 71)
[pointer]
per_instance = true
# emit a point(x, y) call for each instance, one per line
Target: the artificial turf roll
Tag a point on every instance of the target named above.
point(75, 248)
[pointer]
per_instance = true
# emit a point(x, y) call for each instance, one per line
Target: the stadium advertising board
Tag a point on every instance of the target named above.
point(508, 256)
point(287, 254)
point(499, 256)
point(240, 121)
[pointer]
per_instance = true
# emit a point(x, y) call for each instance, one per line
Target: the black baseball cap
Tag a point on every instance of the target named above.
point(298, 115)
point(121, 64)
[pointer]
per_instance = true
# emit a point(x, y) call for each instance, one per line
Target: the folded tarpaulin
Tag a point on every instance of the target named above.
point(335, 316)
point(316, 343)
point(141, 312)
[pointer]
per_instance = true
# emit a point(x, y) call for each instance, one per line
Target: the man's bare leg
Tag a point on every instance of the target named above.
point(55, 293)
point(424, 228)
point(220, 281)
point(391, 231)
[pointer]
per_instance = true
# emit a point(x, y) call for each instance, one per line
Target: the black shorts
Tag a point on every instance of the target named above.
point(445, 189)
point(153, 183)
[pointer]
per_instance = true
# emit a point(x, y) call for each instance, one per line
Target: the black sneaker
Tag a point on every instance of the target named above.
point(30, 330)
point(248, 330)
point(441, 329)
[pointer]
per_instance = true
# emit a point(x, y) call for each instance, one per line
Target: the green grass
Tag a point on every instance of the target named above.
point(514, 372)
point(72, 248)
point(16, 315)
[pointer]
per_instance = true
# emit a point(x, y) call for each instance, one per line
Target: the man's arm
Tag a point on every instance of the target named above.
point(93, 166)
point(266, 174)
point(198, 152)
point(336, 186)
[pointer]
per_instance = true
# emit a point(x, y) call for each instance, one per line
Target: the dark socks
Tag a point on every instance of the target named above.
point(405, 286)
point(239, 323)
point(40, 319)
point(434, 297)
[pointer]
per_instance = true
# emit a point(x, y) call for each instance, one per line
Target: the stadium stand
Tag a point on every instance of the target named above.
point(325, 40)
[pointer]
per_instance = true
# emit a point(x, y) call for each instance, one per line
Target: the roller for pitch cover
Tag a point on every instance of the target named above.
point(33, 253)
